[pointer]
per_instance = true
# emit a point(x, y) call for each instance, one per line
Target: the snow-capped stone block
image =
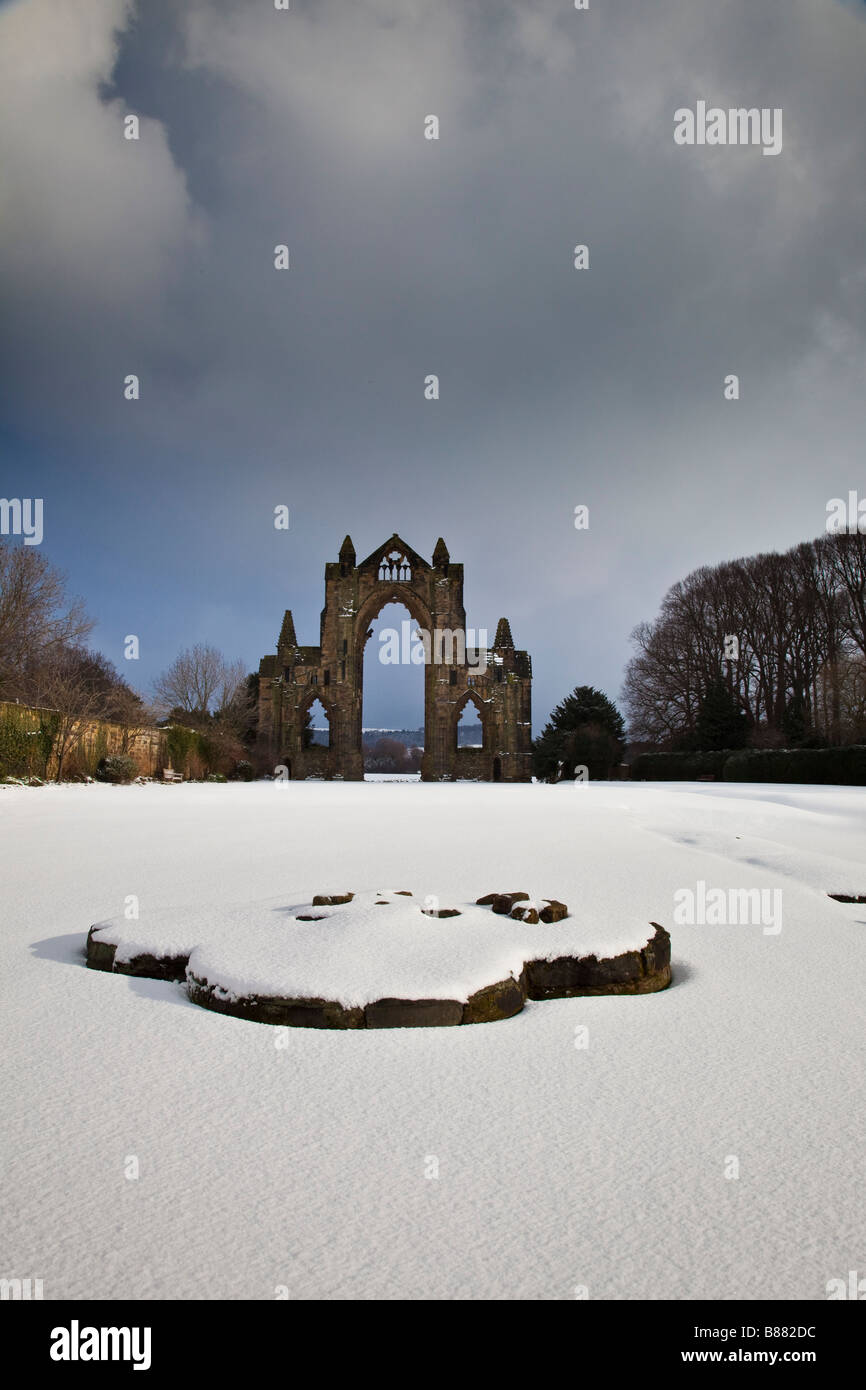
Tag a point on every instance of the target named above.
point(283, 1012)
point(414, 1013)
point(502, 903)
point(631, 972)
point(553, 911)
point(524, 912)
point(100, 954)
point(502, 1000)
point(349, 965)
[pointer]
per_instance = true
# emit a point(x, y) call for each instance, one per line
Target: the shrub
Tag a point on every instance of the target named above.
point(49, 726)
point(197, 753)
point(20, 750)
point(116, 767)
point(98, 751)
point(181, 745)
point(587, 730)
point(220, 750)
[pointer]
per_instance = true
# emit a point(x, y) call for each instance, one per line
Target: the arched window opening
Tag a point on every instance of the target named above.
point(317, 727)
point(470, 730)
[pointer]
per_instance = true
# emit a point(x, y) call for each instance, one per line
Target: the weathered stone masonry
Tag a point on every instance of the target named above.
point(333, 672)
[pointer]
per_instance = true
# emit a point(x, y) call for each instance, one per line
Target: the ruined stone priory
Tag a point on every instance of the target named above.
point(497, 680)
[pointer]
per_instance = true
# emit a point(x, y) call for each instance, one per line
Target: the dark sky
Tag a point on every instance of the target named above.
point(601, 387)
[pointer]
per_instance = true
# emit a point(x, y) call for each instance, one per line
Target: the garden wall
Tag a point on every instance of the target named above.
point(27, 744)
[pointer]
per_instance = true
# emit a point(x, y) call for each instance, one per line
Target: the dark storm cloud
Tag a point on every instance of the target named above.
point(412, 257)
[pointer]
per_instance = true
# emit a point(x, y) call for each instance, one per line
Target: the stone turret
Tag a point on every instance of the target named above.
point(347, 556)
point(503, 634)
point(440, 555)
point(287, 632)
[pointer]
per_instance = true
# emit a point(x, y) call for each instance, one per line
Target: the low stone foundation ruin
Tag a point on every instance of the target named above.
point(643, 970)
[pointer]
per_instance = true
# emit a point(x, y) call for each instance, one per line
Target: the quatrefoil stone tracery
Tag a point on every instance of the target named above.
point(395, 566)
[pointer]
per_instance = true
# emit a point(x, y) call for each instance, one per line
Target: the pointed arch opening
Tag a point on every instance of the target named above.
point(393, 693)
point(470, 722)
point(469, 727)
point(316, 732)
point(470, 738)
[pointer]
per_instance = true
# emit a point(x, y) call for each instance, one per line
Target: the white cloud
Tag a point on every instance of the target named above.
point(361, 77)
point(90, 219)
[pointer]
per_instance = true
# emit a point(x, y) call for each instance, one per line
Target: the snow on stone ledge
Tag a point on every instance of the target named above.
point(381, 945)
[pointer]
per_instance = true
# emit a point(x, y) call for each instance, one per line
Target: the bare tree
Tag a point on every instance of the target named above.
point(37, 619)
point(841, 696)
point(231, 696)
point(847, 556)
point(200, 680)
point(65, 689)
point(120, 704)
point(799, 620)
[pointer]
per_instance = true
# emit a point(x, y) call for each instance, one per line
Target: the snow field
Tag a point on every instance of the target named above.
point(583, 1142)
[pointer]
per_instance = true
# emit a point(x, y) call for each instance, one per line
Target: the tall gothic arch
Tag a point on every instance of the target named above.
point(500, 686)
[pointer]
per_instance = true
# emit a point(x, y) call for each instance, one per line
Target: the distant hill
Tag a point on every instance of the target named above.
point(468, 735)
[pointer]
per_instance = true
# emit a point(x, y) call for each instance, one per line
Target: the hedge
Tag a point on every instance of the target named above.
point(844, 767)
point(678, 767)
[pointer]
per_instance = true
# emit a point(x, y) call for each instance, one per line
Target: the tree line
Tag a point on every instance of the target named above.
point(768, 650)
point(46, 663)
point(764, 651)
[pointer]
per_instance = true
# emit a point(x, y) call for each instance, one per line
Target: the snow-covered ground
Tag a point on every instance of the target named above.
point(586, 1143)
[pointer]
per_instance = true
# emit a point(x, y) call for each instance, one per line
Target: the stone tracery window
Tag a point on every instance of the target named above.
point(395, 566)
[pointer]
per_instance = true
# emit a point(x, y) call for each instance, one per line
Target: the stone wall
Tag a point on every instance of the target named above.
point(92, 739)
